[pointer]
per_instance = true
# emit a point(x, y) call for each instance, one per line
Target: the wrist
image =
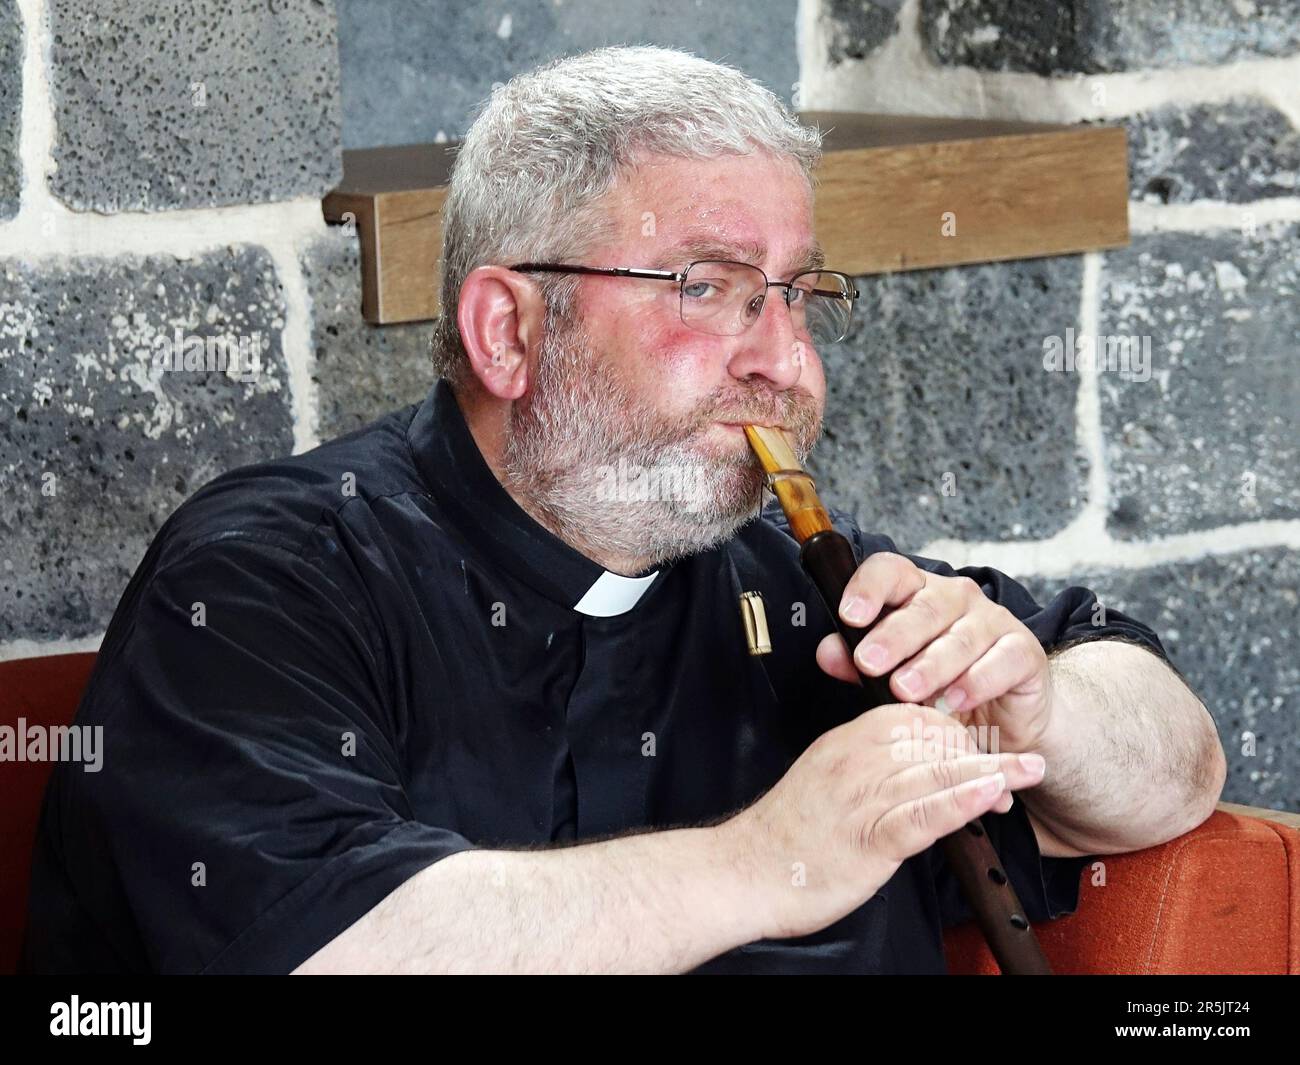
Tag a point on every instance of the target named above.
point(748, 882)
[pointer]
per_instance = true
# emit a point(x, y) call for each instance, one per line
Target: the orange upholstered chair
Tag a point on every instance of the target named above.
point(1224, 898)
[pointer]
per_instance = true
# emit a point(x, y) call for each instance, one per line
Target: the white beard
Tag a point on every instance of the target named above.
point(580, 431)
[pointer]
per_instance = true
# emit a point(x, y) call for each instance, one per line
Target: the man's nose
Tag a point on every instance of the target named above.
point(769, 347)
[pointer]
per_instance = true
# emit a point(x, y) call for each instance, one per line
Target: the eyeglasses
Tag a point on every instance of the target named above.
point(725, 298)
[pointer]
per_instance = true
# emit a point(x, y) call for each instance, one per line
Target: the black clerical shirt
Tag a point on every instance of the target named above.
point(332, 670)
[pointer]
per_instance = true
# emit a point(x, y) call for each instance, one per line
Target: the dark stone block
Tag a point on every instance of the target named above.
point(11, 98)
point(856, 28)
point(943, 374)
point(1233, 152)
point(101, 442)
point(414, 69)
point(362, 370)
point(210, 103)
point(1101, 36)
point(1210, 438)
point(1229, 625)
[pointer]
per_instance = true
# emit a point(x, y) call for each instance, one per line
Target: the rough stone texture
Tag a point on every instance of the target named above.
point(1210, 439)
point(86, 410)
point(211, 102)
point(1100, 36)
point(943, 373)
point(414, 70)
point(11, 97)
point(856, 28)
point(1234, 152)
point(1229, 624)
point(362, 371)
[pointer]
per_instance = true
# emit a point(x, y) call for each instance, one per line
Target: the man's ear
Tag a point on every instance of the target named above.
point(501, 317)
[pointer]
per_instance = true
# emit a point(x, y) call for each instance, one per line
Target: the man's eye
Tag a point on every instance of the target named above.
point(696, 289)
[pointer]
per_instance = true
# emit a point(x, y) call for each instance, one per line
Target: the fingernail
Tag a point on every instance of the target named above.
point(854, 610)
point(872, 655)
point(953, 698)
point(1034, 763)
point(910, 681)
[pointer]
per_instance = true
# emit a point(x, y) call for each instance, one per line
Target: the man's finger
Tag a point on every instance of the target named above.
point(884, 579)
point(834, 658)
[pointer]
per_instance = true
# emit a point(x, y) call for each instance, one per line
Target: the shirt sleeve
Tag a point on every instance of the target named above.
point(1073, 616)
point(1047, 886)
point(250, 806)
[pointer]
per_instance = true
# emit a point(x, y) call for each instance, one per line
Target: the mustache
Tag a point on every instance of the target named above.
point(795, 405)
point(792, 410)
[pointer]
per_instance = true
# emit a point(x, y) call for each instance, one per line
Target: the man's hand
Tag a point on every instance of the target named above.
point(864, 797)
point(954, 648)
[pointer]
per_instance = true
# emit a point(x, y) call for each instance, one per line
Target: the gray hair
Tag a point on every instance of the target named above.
point(546, 146)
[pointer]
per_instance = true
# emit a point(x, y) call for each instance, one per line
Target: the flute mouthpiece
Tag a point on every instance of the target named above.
point(773, 448)
point(788, 480)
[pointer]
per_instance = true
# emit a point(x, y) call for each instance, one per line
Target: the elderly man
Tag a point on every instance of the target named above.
point(453, 693)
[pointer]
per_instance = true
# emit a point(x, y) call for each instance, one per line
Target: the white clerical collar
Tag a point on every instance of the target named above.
point(614, 594)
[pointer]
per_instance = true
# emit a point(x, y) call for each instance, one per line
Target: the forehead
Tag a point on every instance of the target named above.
point(754, 206)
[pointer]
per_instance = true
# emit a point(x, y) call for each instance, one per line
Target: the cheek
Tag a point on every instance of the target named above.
point(677, 360)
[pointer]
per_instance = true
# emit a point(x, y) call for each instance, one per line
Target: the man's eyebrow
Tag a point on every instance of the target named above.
point(694, 248)
point(811, 258)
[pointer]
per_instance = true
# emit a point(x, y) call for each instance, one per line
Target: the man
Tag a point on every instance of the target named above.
point(443, 696)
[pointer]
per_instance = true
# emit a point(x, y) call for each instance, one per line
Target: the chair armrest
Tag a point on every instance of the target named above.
point(1223, 898)
point(1282, 817)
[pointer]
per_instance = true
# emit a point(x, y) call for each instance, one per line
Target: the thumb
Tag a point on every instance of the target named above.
point(834, 658)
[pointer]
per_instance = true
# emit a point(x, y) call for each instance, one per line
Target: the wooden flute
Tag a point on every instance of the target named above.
point(827, 557)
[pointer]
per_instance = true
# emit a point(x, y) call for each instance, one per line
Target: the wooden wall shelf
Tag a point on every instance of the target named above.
point(1015, 190)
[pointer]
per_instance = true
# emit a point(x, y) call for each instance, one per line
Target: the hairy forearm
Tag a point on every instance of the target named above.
point(657, 902)
point(1133, 756)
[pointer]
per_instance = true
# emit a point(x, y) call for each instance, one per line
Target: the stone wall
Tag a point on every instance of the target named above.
point(160, 178)
point(1171, 489)
point(159, 188)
